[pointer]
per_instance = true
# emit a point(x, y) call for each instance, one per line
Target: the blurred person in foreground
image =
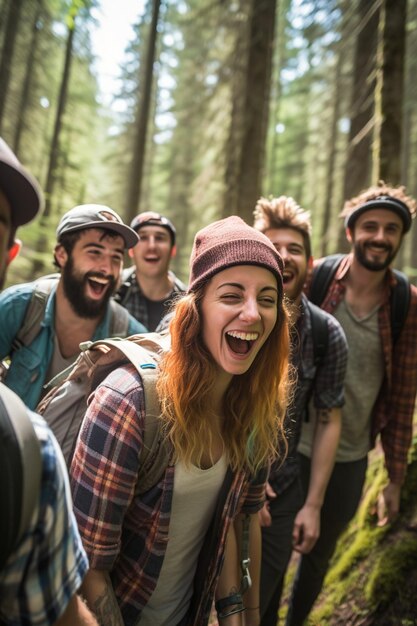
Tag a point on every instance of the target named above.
point(42, 574)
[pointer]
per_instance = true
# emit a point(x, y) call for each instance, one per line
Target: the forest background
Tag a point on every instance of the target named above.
point(219, 102)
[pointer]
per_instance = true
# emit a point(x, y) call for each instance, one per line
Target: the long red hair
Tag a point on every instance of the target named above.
point(254, 404)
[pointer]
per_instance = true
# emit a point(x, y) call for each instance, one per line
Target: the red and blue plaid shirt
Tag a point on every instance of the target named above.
point(392, 415)
point(125, 533)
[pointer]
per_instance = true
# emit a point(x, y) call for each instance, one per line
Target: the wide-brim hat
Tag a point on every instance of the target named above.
point(20, 188)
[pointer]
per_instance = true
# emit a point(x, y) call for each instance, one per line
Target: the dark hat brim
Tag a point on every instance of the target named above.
point(22, 192)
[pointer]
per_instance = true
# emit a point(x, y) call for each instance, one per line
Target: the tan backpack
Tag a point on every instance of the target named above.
point(65, 404)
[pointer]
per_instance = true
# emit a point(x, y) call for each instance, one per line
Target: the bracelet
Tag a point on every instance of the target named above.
point(235, 599)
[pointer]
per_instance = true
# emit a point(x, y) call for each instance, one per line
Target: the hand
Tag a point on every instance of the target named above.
point(306, 529)
point(388, 503)
point(264, 514)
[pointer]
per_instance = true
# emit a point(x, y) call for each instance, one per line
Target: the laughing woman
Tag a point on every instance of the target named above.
point(160, 558)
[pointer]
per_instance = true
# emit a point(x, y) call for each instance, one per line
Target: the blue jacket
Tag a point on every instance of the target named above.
point(29, 364)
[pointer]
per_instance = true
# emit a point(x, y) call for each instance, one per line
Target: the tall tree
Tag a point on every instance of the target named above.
point(389, 92)
point(27, 80)
point(256, 89)
point(141, 120)
point(9, 41)
point(358, 162)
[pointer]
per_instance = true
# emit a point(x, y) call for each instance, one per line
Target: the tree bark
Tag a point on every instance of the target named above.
point(7, 52)
point(141, 123)
point(27, 81)
point(258, 83)
point(358, 162)
point(389, 92)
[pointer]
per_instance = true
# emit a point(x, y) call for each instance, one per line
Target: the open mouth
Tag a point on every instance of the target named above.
point(287, 275)
point(241, 342)
point(98, 285)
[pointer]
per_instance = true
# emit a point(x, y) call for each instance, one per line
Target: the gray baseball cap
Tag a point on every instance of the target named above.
point(96, 216)
point(20, 188)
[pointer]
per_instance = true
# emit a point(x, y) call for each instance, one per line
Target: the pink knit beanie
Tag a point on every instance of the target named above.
point(231, 242)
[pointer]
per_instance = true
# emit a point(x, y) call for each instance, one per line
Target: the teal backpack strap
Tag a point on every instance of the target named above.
point(35, 311)
point(119, 323)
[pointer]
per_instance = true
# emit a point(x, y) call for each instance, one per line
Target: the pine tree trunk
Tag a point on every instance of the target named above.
point(27, 81)
point(10, 35)
point(257, 87)
point(358, 163)
point(141, 123)
point(389, 92)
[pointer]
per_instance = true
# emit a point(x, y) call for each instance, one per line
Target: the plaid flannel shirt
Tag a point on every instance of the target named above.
point(126, 533)
point(392, 415)
point(49, 564)
point(134, 300)
point(324, 384)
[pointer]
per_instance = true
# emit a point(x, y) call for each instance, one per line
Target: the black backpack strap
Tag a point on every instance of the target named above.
point(320, 333)
point(124, 290)
point(400, 303)
point(20, 471)
point(320, 337)
point(322, 277)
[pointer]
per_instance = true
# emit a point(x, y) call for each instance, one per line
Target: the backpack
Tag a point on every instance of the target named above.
point(20, 471)
point(35, 314)
point(399, 300)
point(65, 404)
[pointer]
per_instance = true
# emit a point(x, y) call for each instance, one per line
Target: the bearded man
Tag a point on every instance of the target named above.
point(91, 240)
point(381, 379)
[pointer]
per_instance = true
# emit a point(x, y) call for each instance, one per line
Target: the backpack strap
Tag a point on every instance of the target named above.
point(320, 333)
point(400, 297)
point(320, 337)
point(119, 324)
point(155, 454)
point(400, 303)
point(123, 292)
point(21, 471)
point(35, 311)
point(322, 276)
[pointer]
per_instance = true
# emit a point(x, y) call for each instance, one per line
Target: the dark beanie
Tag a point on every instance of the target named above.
point(227, 243)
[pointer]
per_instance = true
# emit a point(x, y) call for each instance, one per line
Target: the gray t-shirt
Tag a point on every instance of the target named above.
point(363, 381)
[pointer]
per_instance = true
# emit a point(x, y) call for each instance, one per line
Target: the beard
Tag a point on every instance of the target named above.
point(74, 285)
point(374, 266)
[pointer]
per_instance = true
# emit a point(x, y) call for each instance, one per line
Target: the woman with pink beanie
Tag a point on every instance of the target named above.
point(162, 557)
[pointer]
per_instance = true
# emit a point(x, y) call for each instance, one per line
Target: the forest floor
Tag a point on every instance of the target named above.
point(372, 580)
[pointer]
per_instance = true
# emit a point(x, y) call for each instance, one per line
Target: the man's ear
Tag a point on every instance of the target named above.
point(13, 251)
point(60, 255)
point(173, 252)
point(349, 235)
point(130, 253)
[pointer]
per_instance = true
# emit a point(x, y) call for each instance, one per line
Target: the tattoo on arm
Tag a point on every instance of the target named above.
point(323, 416)
point(107, 610)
